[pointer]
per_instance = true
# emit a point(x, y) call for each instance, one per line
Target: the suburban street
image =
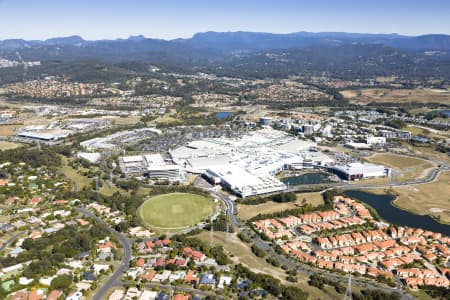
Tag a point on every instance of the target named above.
point(303, 268)
point(231, 211)
point(11, 240)
point(182, 289)
point(127, 253)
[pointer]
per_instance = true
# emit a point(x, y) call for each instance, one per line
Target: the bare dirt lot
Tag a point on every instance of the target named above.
point(379, 95)
point(8, 130)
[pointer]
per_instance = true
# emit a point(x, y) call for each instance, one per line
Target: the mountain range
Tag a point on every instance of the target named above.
point(253, 54)
point(236, 42)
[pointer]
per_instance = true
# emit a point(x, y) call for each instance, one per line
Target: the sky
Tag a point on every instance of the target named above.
point(169, 19)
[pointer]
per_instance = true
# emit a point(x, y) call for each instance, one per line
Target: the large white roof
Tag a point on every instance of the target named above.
point(357, 168)
point(262, 152)
point(296, 146)
point(236, 176)
point(130, 159)
point(204, 163)
point(154, 159)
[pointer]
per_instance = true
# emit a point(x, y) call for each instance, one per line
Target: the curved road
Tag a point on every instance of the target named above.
point(266, 246)
point(306, 269)
point(232, 213)
point(11, 240)
point(430, 177)
point(127, 251)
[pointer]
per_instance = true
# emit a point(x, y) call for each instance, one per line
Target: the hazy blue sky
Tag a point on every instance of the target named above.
point(96, 19)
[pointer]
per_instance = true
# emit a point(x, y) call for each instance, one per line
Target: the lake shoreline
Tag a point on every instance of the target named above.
point(386, 209)
point(417, 214)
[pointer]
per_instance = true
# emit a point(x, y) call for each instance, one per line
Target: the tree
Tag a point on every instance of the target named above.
point(61, 282)
point(258, 251)
point(294, 293)
point(304, 201)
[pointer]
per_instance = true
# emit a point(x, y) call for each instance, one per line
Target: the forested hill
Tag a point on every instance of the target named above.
point(241, 41)
point(347, 62)
point(236, 54)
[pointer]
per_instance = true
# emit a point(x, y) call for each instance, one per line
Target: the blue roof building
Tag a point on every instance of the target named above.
point(208, 279)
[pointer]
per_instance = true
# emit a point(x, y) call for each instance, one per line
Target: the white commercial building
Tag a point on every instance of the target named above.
point(149, 165)
point(356, 171)
point(242, 183)
point(45, 135)
point(376, 140)
point(358, 146)
point(247, 165)
point(121, 138)
point(90, 157)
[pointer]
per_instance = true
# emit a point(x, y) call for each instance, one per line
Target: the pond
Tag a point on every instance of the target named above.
point(223, 114)
point(446, 112)
point(382, 204)
point(308, 178)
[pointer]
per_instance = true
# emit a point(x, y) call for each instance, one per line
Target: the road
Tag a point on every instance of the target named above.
point(231, 211)
point(11, 240)
point(182, 289)
point(174, 289)
point(306, 269)
point(127, 252)
point(430, 177)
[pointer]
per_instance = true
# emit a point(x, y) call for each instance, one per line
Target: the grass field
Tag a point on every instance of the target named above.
point(430, 153)
point(427, 132)
point(240, 252)
point(175, 211)
point(123, 120)
point(166, 119)
point(405, 168)
point(431, 198)
point(420, 295)
point(73, 174)
point(246, 212)
point(382, 180)
point(5, 145)
point(108, 189)
point(380, 95)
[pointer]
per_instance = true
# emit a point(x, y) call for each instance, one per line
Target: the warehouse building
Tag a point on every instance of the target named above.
point(44, 135)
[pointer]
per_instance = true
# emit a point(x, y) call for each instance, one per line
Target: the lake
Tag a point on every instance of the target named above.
point(446, 112)
point(223, 114)
point(308, 178)
point(382, 204)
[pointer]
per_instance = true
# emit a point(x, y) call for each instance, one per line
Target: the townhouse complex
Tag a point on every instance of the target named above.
point(349, 239)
